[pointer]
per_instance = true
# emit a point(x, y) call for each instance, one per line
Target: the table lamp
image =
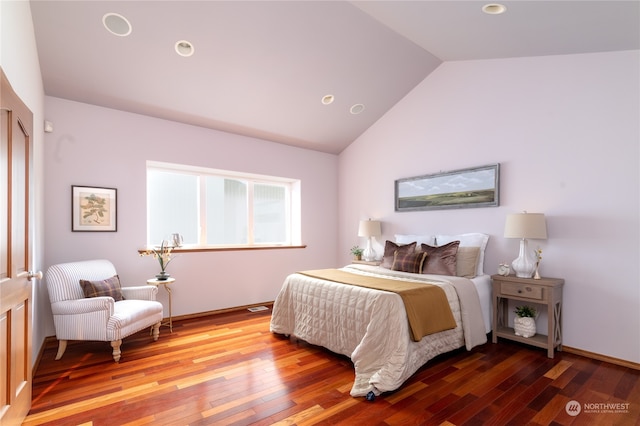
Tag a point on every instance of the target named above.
point(369, 228)
point(525, 225)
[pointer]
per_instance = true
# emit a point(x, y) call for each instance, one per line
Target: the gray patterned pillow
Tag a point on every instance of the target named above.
point(109, 287)
point(408, 262)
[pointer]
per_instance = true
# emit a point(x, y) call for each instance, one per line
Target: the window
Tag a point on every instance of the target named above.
point(217, 208)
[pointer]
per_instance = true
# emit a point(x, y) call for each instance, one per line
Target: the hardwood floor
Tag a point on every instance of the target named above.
point(228, 369)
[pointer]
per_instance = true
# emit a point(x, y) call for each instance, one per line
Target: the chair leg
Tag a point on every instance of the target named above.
point(156, 331)
point(116, 349)
point(62, 346)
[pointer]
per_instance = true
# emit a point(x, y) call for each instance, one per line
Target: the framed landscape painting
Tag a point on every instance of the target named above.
point(476, 187)
point(93, 209)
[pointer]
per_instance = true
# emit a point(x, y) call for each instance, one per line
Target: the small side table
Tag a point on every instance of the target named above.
point(165, 284)
point(365, 262)
point(545, 291)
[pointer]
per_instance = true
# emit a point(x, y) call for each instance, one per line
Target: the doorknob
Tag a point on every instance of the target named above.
point(31, 275)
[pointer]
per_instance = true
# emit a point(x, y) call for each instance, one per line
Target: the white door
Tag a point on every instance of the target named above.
point(16, 129)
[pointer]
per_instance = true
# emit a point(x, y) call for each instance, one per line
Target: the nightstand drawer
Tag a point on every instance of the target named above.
point(522, 290)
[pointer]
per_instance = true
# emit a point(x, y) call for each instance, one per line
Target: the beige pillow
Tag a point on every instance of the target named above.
point(467, 261)
point(473, 239)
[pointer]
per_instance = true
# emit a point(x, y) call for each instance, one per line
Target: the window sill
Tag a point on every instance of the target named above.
point(228, 248)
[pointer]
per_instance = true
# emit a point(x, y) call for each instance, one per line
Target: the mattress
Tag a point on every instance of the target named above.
point(370, 326)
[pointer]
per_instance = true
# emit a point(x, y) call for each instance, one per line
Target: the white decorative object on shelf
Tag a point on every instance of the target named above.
point(524, 326)
point(536, 275)
point(524, 323)
point(504, 269)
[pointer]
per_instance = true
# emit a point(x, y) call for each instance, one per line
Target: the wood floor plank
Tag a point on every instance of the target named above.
point(405, 392)
point(549, 411)
point(494, 376)
point(557, 370)
point(565, 378)
point(467, 413)
point(518, 405)
point(605, 378)
point(228, 369)
point(628, 382)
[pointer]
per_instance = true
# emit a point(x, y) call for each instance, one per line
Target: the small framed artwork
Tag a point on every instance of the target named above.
point(475, 187)
point(93, 209)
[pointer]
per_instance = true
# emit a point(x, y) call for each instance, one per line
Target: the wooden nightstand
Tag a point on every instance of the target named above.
point(364, 262)
point(545, 291)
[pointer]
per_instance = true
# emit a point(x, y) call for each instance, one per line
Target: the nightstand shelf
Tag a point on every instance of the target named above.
point(545, 291)
point(539, 340)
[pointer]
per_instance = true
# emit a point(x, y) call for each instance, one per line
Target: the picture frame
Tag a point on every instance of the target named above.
point(457, 189)
point(94, 209)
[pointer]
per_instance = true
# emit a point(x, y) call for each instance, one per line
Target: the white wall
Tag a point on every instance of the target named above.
point(94, 146)
point(566, 132)
point(19, 60)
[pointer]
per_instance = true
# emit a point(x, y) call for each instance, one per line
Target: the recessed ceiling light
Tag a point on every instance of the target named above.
point(494, 8)
point(327, 99)
point(356, 109)
point(116, 24)
point(184, 48)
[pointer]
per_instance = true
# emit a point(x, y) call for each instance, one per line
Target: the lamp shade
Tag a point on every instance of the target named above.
point(369, 228)
point(526, 225)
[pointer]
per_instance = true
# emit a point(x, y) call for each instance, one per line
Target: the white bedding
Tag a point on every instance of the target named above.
point(370, 326)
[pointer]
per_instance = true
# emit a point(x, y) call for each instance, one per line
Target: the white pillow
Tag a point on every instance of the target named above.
point(419, 239)
point(468, 240)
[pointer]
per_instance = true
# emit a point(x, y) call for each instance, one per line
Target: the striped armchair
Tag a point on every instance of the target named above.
point(98, 317)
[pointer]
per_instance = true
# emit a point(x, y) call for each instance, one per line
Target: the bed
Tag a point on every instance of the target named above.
point(370, 326)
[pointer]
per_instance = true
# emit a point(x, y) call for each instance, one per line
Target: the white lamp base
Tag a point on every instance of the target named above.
point(523, 266)
point(369, 254)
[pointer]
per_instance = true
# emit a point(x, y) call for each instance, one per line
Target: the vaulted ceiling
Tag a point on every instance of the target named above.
point(265, 68)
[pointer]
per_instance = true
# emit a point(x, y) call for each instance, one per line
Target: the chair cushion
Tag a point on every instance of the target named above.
point(109, 287)
point(130, 316)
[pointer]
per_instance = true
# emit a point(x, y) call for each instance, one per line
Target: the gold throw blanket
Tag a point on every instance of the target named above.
point(427, 307)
